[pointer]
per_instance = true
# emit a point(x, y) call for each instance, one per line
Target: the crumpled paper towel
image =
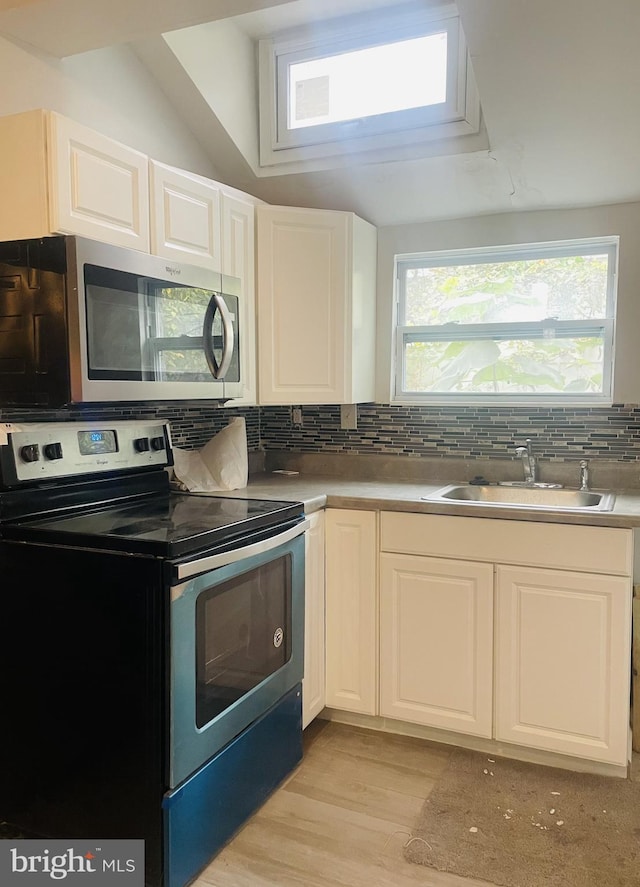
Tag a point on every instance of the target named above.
point(221, 464)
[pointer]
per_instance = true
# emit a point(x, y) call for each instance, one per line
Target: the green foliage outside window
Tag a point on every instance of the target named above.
point(518, 353)
point(178, 314)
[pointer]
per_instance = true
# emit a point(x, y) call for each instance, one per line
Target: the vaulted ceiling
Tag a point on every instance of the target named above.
point(558, 85)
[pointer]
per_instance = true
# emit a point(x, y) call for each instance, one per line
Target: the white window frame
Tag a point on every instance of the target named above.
point(510, 330)
point(459, 115)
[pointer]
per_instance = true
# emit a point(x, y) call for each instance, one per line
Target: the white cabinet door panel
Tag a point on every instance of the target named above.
point(316, 306)
point(238, 260)
point(185, 213)
point(313, 685)
point(563, 661)
point(302, 331)
point(352, 648)
point(98, 187)
point(436, 642)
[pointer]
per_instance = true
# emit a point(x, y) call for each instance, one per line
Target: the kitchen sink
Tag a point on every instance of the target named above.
point(525, 497)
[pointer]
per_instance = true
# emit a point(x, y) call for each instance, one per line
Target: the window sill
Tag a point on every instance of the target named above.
point(505, 401)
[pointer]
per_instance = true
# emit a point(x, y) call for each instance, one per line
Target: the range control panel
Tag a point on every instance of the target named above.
point(49, 450)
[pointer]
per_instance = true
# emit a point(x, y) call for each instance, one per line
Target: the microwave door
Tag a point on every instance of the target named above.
point(175, 347)
point(219, 367)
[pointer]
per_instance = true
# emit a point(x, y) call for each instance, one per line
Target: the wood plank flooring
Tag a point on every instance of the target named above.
point(342, 818)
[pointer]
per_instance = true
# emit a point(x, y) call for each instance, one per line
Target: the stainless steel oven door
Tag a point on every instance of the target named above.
point(237, 637)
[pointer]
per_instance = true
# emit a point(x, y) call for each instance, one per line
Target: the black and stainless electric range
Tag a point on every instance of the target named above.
point(152, 646)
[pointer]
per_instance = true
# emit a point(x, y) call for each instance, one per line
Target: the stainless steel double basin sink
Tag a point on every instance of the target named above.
point(534, 496)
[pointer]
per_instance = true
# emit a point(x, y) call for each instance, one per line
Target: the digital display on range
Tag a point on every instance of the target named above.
point(93, 443)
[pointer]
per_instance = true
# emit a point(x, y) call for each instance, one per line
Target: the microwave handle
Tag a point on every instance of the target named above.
point(217, 303)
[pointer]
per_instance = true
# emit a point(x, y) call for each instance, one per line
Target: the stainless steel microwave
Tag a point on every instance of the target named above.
point(86, 322)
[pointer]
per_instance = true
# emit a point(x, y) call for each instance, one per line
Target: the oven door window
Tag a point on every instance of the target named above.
point(243, 635)
point(140, 329)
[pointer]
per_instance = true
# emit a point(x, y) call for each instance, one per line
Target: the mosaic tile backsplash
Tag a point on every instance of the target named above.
point(191, 426)
point(611, 433)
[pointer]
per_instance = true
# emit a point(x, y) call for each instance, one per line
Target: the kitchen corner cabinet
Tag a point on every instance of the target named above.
point(316, 276)
point(436, 642)
point(351, 610)
point(57, 176)
point(562, 645)
point(313, 685)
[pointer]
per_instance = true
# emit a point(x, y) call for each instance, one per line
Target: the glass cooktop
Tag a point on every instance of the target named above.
point(167, 525)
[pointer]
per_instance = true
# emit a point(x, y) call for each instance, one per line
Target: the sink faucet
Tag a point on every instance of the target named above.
point(528, 462)
point(584, 475)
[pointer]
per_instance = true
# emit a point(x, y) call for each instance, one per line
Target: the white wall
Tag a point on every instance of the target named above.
point(525, 227)
point(108, 90)
point(221, 61)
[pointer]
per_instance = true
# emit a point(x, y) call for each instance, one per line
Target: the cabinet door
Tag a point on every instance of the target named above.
point(303, 304)
point(563, 661)
point(24, 176)
point(238, 260)
point(436, 642)
point(351, 600)
point(185, 217)
point(313, 685)
point(98, 188)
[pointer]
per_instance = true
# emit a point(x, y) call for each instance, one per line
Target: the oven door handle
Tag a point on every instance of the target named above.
point(204, 564)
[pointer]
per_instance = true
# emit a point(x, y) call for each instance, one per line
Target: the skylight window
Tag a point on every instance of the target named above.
point(397, 76)
point(357, 86)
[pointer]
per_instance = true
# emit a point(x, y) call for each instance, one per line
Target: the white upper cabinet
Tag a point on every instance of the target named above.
point(316, 306)
point(186, 224)
point(57, 176)
point(239, 260)
point(202, 222)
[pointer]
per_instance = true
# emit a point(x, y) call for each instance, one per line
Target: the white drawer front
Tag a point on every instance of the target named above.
point(562, 546)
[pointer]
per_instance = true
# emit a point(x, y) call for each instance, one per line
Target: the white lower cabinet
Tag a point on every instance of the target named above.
point(436, 642)
point(313, 685)
point(563, 661)
point(351, 610)
point(512, 630)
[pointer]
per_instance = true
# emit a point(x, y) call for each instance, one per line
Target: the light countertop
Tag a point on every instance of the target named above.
point(320, 491)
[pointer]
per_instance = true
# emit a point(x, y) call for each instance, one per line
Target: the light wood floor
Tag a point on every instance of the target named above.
point(342, 818)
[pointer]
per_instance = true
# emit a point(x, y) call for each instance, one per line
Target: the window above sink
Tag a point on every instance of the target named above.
point(531, 323)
